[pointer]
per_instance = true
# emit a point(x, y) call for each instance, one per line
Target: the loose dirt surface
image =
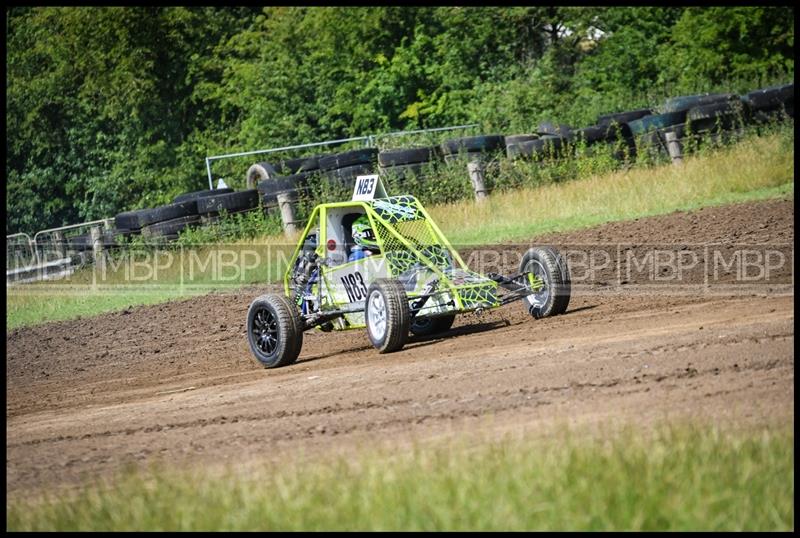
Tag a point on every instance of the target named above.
point(175, 382)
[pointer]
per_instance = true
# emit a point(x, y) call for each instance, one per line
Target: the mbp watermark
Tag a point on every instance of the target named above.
point(592, 267)
point(657, 267)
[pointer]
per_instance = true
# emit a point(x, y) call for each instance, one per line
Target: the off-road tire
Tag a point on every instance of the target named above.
point(274, 315)
point(556, 277)
point(390, 296)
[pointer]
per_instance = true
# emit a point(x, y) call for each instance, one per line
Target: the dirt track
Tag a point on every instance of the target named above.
point(175, 382)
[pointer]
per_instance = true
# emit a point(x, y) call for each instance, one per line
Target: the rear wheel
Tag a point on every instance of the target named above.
point(428, 326)
point(387, 315)
point(548, 280)
point(274, 330)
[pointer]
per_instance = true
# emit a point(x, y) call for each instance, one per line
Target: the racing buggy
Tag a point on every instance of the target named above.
point(380, 262)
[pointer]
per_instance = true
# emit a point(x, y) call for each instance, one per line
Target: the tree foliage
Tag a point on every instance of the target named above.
point(114, 108)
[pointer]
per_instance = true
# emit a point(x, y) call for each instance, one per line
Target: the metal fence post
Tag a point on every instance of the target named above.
point(475, 168)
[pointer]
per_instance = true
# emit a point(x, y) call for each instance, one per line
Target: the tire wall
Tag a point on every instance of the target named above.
point(438, 173)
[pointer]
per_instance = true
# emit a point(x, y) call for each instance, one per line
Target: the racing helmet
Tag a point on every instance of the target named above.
point(363, 235)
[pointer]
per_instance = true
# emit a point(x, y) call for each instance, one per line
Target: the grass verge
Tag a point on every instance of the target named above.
point(675, 478)
point(757, 168)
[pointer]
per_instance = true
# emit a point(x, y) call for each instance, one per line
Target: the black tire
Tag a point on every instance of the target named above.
point(169, 212)
point(428, 326)
point(129, 220)
point(363, 156)
point(347, 175)
point(396, 157)
point(387, 298)
point(685, 102)
point(260, 172)
point(718, 116)
point(269, 188)
point(295, 166)
point(80, 242)
point(483, 143)
point(543, 147)
point(403, 171)
point(592, 134)
point(618, 131)
point(623, 117)
point(770, 98)
point(659, 121)
point(519, 139)
point(235, 201)
point(549, 128)
point(135, 220)
point(170, 227)
point(464, 157)
point(274, 330)
point(188, 196)
point(268, 202)
point(551, 267)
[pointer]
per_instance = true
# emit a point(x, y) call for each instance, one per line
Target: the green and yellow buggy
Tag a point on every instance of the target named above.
point(416, 282)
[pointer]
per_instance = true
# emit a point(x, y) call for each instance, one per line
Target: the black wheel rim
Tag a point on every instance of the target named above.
point(265, 331)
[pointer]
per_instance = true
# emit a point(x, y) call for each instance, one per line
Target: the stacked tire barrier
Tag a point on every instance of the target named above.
point(186, 210)
point(343, 168)
point(404, 163)
point(626, 134)
point(472, 147)
point(290, 176)
point(629, 134)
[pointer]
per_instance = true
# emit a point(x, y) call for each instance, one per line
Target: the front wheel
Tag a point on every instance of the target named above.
point(548, 279)
point(274, 330)
point(387, 315)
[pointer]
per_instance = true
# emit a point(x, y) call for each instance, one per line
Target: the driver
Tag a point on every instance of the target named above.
point(364, 238)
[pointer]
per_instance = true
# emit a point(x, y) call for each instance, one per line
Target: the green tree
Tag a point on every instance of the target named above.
point(740, 46)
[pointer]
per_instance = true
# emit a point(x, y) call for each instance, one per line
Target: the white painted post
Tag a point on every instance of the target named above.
point(285, 203)
point(674, 148)
point(475, 169)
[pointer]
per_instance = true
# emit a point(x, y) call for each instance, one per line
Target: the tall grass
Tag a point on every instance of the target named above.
point(677, 478)
point(762, 167)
